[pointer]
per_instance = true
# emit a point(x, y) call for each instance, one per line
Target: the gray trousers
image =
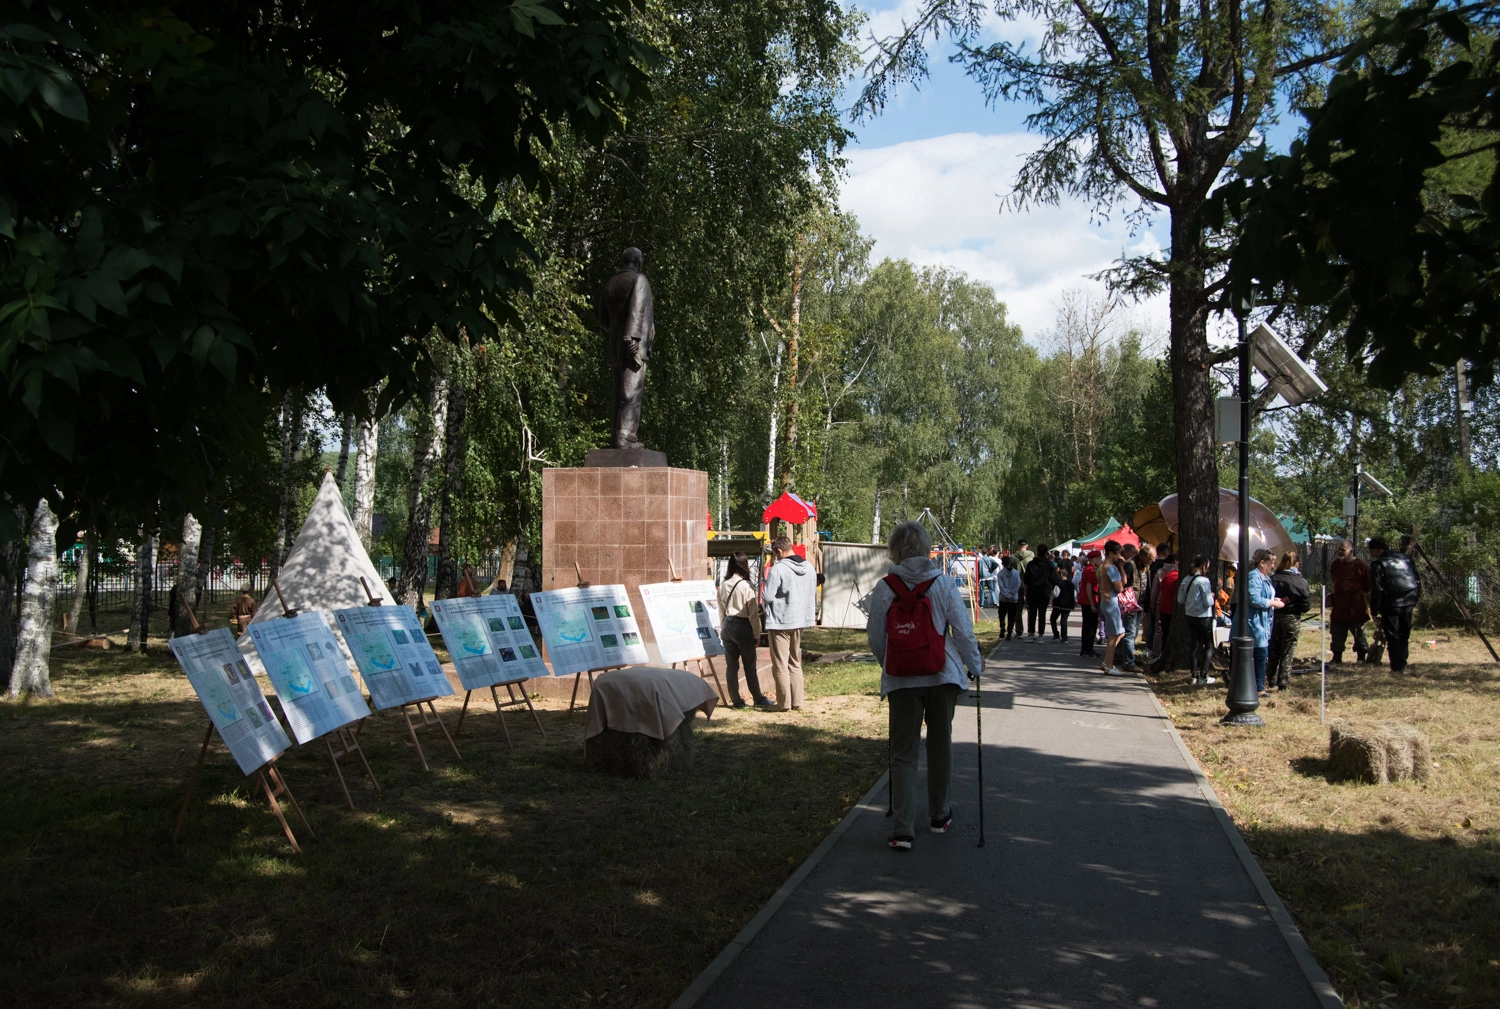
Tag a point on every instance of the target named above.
point(909, 708)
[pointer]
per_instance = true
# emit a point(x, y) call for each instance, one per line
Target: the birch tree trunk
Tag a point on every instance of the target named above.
point(291, 449)
point(507, 567)
point(187, 570)
point(10, 577)
point(81, 582)
point(427, 449)
point(875, 526)
point(31, 673)
point(343, 467)
point(775, 421)
point(140, 611)
point(204, 567)
point(364, 474)
point(453, 472)
point(789, 474)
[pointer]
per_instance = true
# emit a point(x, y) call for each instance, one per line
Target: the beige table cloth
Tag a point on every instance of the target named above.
point(647, 699)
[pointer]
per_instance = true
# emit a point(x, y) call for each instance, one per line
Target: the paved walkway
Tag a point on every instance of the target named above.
point(1106, 879)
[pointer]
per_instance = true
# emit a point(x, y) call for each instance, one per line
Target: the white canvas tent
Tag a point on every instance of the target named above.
point(324, 568)
point(851, 571)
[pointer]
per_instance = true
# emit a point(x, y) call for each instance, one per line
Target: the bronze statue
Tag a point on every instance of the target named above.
point(625, 313)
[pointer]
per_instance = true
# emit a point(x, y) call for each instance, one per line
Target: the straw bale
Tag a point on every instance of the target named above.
point(1377, 752)
point(637, 755)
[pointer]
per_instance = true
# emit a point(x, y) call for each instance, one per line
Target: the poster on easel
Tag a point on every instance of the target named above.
point(684, 619)
point(589, 628)
point(392, 654)
point(488, 640)
point(232, 698)
point(310, 674)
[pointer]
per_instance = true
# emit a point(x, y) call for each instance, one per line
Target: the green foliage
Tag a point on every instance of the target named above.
point(202, 202)
point(1387, 213)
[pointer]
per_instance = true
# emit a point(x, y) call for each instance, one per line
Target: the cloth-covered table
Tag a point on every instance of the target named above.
point(646, 699)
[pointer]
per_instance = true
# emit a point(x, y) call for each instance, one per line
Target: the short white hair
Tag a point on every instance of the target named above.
point(909, 539)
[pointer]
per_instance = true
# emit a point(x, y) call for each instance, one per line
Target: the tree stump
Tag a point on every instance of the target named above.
point(1377, 752)
point(637, 755)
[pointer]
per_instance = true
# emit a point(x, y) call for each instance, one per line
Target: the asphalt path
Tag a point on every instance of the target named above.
point(1106, 878)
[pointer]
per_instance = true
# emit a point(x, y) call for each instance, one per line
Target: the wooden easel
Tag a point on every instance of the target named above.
point(429, 713)
point(713, 671)
point(348, 740)
point(272, 794)
point(514, 702)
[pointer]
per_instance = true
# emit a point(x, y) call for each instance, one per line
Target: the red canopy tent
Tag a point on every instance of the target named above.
point(791, 509)
point(1123, 535)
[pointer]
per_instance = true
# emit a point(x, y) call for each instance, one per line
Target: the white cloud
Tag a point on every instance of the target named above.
point(937, 202)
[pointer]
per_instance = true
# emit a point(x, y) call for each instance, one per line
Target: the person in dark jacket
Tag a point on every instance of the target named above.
point(1063, 598)
point(1286, 624)
point(1349, 581)
point(1039, 577)
point(1395, 588)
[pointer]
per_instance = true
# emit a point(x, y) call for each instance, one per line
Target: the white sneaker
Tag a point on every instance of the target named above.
point(1115, 671)
point(1209, 681)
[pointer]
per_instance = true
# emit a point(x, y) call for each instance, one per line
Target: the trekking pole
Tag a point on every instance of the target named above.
point(979, 748)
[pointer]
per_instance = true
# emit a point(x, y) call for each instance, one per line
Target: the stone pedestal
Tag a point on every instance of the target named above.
point(620, 525)
point(623, 457)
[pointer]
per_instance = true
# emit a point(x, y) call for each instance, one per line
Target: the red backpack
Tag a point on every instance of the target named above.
point(913, 646)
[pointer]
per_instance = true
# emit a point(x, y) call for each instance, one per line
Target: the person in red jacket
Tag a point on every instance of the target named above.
point(1350, 579)
point(1088, 602)
point(1167, 602)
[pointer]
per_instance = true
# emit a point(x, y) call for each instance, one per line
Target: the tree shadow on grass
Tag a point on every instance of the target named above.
point(510, 877)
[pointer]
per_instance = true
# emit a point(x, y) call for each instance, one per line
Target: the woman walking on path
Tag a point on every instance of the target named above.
point(1062, 598)
point(1088, 603)
point(741, 630)
point(914, 699)
point(1195, 602)
point(1040, 575)
point(1291, 588)
point(1263, 602)
point(1111, 583)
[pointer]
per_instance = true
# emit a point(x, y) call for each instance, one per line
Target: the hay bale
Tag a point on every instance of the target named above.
point(1377, 752)
point(637, 755)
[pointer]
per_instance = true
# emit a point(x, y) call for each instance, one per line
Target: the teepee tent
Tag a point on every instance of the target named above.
point(326, 563)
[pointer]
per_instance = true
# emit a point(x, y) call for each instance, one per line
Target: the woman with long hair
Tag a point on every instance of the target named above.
point(740, 630)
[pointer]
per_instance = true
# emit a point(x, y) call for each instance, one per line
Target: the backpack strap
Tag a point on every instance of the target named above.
point(902, 592)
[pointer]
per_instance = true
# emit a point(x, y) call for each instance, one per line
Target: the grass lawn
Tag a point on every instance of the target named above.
point(505, 879)
point(1396, 887)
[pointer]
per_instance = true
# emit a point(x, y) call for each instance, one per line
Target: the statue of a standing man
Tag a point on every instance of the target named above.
point(629, 323)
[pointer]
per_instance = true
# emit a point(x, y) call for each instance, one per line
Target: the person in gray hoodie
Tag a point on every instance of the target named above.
point(790, 603)
point(913, 699)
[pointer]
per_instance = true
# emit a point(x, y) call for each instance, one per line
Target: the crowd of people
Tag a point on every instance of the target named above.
point(1129, 596)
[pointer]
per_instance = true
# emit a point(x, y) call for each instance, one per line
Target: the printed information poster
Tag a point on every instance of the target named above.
point(685, 619)
point(488, 639)
point(311, 676)
point(588, 628)
point(232, 698)
point(392, 654)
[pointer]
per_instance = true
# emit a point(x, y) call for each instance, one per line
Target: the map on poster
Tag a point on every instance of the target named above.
point(232, 698)
point(488, 639)
point(684, 618)
point(310, 674)
point(590, 628)
point(392, 654)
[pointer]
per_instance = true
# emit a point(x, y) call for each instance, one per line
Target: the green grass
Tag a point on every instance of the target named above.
point(510, 878)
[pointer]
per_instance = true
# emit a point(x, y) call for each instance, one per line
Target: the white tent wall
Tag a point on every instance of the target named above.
point(851, 572)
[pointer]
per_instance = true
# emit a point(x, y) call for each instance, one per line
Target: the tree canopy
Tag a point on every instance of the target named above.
point(201, 205)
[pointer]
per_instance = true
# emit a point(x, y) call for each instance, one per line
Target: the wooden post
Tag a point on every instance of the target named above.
point(500, 706)
point(374, 599)
point(286, 610)
point(193, 781)
point(348, 743)
point(281, 790)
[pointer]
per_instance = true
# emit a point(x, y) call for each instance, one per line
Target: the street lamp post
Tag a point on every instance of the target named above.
point(1243, 698)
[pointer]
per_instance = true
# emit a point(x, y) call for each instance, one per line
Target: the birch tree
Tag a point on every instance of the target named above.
point(140, 610)
point(31, 673)
point(10, 577)
point(346, 435)
point(453, 467)
point(187, 569)
point(292, 407)
point(426, 451)
point(81, 580)
point(364, 473)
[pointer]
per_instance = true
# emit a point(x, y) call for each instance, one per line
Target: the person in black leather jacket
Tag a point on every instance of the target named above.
point(1395, 588)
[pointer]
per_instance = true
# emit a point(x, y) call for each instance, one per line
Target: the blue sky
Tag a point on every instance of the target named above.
point(927, 177)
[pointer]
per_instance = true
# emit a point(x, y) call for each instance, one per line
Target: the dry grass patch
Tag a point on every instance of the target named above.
point(506, 879)
point(1397, 887)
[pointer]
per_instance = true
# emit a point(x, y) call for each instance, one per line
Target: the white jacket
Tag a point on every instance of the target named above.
point(949, 616)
